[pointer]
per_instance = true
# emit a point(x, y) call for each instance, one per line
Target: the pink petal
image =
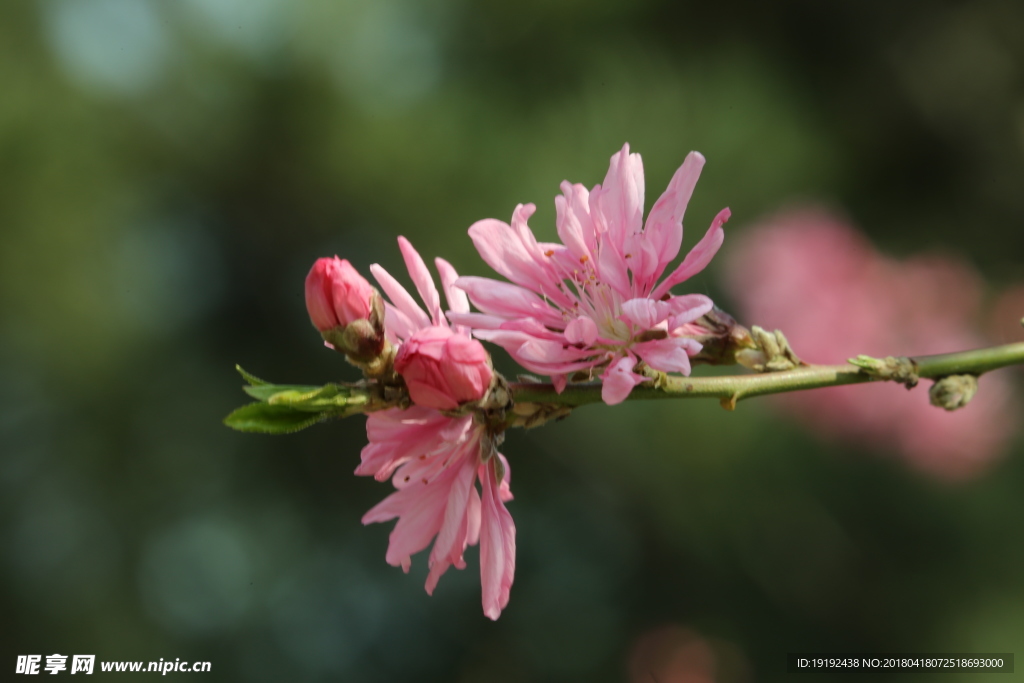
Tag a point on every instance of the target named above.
point(664, 229)
point(505, 488)
point(582, 330)
point(473, 518)
point(476, 320)
point(451, 539)
point(570, 228)
point(612, 270)
point(540, 356)
point(402, 300)
point(422, 279)
point(578, 202)
point(534, 328)
point(699, 256)
point(644, 313)
point(427, 395)
point(668, 355)
point(456, 298)
point(621, 200)
point(644, 262)
point(505, 299)
point(513, 252)
point(687, 308)
point(497, 545)
point(544, 351)
point(466, 369)
point(618, 380)
point(420, 511)
point(397, 325)
point(396, 436)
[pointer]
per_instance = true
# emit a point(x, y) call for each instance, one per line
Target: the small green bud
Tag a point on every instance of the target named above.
point(953, 392)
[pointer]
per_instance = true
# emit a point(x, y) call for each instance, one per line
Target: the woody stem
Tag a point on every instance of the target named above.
point(732, 388)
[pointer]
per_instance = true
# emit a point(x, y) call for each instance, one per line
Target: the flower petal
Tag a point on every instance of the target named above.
point(513, 252)
point(668, 355)
point(664, 228)
point(613, 270)
point(401, 298)
point(505, 299)
point(420, 511)
point(497, 544)
point(451, 538)
point(422, 279)
point(618, 380)
point(582, 330)
point(397, 325)
point(644, 313)
point(456, 298)
point(621, 199)
point(687, 308)
point(476, 320)
point(570, 225)
point(699, 256)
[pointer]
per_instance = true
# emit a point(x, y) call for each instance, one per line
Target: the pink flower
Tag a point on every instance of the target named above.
point(336, 294)
point(823, 284)
point(1004, 318)
point(673, 654)
point(594, 301)
point(434, 460)
point(442, 368)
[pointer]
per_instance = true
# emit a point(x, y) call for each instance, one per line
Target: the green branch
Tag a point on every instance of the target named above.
point(732, 388)
point(281, 409)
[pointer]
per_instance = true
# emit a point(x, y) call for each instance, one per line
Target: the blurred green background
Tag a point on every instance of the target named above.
point(170, 170)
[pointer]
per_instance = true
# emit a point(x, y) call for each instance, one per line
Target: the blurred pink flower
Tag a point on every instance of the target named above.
point(672, 654)
point(442, 368)
point(593, 301)
point(1005, 316)
point(821, 282)
point(336, 294)
point(435, 460)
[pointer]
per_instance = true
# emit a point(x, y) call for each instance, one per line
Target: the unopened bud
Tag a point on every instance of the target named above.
point(348, 310)
point(336, 294)
point(954, 391)
point(443, 369)
point(721, 338)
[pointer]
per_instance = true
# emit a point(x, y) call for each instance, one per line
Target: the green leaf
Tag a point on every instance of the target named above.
point(264, 392)
point(250, 378)
point(311, 398)
point(272, 419)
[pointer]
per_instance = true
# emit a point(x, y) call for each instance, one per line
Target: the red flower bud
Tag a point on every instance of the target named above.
point(336, 294)
point(443, 369)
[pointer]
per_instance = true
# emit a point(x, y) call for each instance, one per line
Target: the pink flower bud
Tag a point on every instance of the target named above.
point(336, 294)
point(443, 369)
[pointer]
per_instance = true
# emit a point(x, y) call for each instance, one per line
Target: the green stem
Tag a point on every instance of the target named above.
point(732, 388)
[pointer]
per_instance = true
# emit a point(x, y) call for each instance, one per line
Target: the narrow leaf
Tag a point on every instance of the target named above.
point(264, 392)
point(250, 378)
point(270, 419)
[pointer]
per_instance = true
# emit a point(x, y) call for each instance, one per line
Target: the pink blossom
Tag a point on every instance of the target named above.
point(442, 368)
point(594, 301)
point(435, 460)
point(673, 654)
point(336, 294)
point(1004, 319)
point(821, 282)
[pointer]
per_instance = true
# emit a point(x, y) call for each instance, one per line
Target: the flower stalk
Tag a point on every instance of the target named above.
point(536, 403)
point(732, 388)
